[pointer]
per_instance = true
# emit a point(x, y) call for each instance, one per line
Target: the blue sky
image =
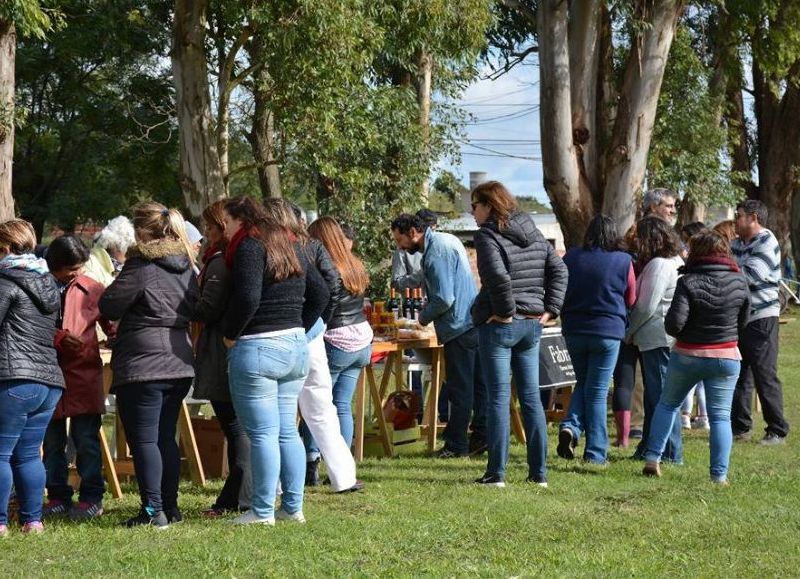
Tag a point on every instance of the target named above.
point(503, 138)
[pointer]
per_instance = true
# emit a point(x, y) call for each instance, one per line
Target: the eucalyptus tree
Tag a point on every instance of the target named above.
point(31, 18)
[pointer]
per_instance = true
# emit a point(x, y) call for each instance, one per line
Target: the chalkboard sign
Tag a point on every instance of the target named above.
point(555, 365)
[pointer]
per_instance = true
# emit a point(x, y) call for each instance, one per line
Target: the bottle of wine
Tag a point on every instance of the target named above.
point(408, 307)
point(393, 306)
point(417, 301)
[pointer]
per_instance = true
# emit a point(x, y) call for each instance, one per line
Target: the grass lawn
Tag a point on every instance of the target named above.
point(418, 516)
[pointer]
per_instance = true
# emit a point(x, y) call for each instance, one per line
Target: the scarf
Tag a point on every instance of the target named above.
point(25, 261)
point(713, 260)
point(233, 244)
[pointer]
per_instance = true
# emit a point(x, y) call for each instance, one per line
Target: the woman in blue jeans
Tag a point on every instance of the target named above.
point(31, 382)
point(601, 287)
point(658, 255)
point(348, 338)
point(267, 355)
point(709, 310)
point(522, 286)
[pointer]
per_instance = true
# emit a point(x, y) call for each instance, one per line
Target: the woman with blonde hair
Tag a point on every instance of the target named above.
point(523, 282)
point(348, 338)
point(31, 382)
point(152, 356)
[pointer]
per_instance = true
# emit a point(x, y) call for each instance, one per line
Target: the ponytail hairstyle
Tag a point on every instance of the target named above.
point(354, 275)
point(153, 221)
point(282, 211)
point(282, 261)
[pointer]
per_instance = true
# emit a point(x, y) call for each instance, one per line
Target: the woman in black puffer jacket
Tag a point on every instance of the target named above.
point(152, 357)
point(31, 382)
point(523, 283)
point(710, 307)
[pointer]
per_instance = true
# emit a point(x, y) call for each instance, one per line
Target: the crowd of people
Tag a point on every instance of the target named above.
point(270, 320)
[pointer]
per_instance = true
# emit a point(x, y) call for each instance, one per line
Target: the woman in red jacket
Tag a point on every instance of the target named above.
point(84, 399)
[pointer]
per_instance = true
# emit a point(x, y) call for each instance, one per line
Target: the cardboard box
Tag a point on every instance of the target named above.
point(212, 446)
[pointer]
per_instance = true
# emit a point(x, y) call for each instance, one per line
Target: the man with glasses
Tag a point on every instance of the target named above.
point(758, 254)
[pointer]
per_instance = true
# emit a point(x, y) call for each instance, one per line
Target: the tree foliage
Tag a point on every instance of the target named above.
point(98, 130)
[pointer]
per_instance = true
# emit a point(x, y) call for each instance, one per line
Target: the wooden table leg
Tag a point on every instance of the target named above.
point(121, 439)
point(516, 418)
point(433, 396)
point(108, 466)
point(383, 429)
point(189, 445)
point(359, 418)
point(389, 369)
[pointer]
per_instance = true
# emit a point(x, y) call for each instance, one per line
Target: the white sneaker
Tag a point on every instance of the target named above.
point(250, 518)
point(701, 423)
point(282, 515)
point(686, 421)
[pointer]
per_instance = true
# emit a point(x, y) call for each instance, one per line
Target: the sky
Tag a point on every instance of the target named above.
point(503, 137)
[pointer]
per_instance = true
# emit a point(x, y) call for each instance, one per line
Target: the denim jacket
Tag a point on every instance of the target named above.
point(449, 284)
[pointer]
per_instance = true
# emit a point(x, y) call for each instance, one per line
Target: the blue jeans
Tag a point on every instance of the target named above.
point(25, 410)
point(507, 348)
point(345, 369)
point(654, 375)
point(85, 433)
point(719, 377)
point(594, 359)
point(459, 358)
point(266, 375)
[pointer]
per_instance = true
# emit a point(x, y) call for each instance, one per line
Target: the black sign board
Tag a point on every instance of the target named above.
point(555, 365)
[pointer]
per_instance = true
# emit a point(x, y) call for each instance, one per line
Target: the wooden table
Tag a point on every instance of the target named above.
point(393, 367)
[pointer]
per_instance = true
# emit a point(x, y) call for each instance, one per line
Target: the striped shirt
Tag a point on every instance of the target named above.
point(760, 261)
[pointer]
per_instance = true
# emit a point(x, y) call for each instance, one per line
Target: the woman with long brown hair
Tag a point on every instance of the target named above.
point(658, 262)
point(320, 418)
point(152, 355)
point(348, 338)
point(211, 363)
point(267, 355)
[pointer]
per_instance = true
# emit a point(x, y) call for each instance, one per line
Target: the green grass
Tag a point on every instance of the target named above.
point(418, 516)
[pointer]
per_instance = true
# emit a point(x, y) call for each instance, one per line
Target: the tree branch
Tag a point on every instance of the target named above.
point(522, 9)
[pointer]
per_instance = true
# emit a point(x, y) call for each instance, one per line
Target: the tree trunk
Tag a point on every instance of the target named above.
point(262, 142)
point(781, 161)
point(584, 37)
point(633, 129)
point(572, 203)
point(796, 229)
point(200, 171)
point(424, 74)
point(8, 44)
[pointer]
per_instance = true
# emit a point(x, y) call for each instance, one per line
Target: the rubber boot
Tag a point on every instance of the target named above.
point(623, 420)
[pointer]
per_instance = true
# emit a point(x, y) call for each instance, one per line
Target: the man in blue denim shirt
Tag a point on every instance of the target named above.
point(451, 289)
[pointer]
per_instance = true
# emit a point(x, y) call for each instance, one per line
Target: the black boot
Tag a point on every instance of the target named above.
point(312, 473)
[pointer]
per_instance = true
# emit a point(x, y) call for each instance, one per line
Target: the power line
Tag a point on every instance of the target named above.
point(506, 117)
point(501, 153)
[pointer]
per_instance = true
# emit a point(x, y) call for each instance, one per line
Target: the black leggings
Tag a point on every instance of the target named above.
point(149, 413)
point(237, 490)
point(625, 377)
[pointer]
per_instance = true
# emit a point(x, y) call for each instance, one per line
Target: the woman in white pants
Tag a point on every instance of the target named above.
point(316, 397)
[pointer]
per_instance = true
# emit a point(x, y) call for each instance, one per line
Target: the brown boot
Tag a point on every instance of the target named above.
point(623, 420)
